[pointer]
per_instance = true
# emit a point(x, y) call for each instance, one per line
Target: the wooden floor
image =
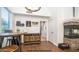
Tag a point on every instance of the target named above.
point(42, 47)
point(70, 50)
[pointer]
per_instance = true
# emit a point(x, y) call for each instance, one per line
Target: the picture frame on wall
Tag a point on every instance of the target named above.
point(28, 23)
point(18, 23)
point(35, 24)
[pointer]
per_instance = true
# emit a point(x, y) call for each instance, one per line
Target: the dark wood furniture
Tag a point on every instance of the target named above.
point(13, 35)
point(30, 38)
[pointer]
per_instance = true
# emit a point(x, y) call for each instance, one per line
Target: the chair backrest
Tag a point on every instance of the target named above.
point(8, 31)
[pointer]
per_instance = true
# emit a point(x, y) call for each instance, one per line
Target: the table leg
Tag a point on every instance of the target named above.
point(1, 41)
point(13, 41)
point(19, 41)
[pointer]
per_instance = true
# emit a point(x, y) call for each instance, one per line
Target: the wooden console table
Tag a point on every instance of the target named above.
point(31, 38)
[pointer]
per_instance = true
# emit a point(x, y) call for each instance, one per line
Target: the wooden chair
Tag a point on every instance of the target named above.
point(12, 48)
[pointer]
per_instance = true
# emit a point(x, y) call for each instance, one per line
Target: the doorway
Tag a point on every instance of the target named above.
point(43, 30)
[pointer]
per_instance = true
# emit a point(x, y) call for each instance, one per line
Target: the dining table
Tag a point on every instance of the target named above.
point(13, 35)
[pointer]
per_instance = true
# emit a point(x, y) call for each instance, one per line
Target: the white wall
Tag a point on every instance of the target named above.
point(77, 11)
point(52, 31)
point(58, 16)
point(23, 18)
point(55, 25)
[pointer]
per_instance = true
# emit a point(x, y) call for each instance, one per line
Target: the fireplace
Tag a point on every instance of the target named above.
point(71, 29)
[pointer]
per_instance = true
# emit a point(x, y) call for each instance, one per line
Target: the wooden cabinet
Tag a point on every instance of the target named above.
point(32, 38)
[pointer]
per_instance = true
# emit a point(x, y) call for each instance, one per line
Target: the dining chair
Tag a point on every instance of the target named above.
point(9, 39)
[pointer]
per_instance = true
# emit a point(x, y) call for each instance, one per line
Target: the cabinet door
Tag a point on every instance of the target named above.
point(37, 38)
point(31, 38)
point(26, 38)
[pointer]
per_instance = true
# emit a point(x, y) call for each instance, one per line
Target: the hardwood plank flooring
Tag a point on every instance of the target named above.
point(70, 50)
point(44, 46)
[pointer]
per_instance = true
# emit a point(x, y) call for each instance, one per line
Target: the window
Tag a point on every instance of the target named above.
point(5, 19)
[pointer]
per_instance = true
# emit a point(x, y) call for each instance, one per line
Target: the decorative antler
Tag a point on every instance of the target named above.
point(30, 10)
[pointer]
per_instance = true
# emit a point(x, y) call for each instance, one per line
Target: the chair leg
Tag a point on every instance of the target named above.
point(16, 41)
point(6, 42)
point(11, 42)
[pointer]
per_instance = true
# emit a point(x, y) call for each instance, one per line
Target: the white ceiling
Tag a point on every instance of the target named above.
point(17, 9)
point(21, 10)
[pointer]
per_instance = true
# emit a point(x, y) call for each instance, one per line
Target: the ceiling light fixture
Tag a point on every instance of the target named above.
point(32, 9)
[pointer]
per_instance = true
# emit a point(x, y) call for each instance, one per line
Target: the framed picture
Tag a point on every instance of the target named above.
point(35, 24)
point(18, 23)
point(28, 23)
